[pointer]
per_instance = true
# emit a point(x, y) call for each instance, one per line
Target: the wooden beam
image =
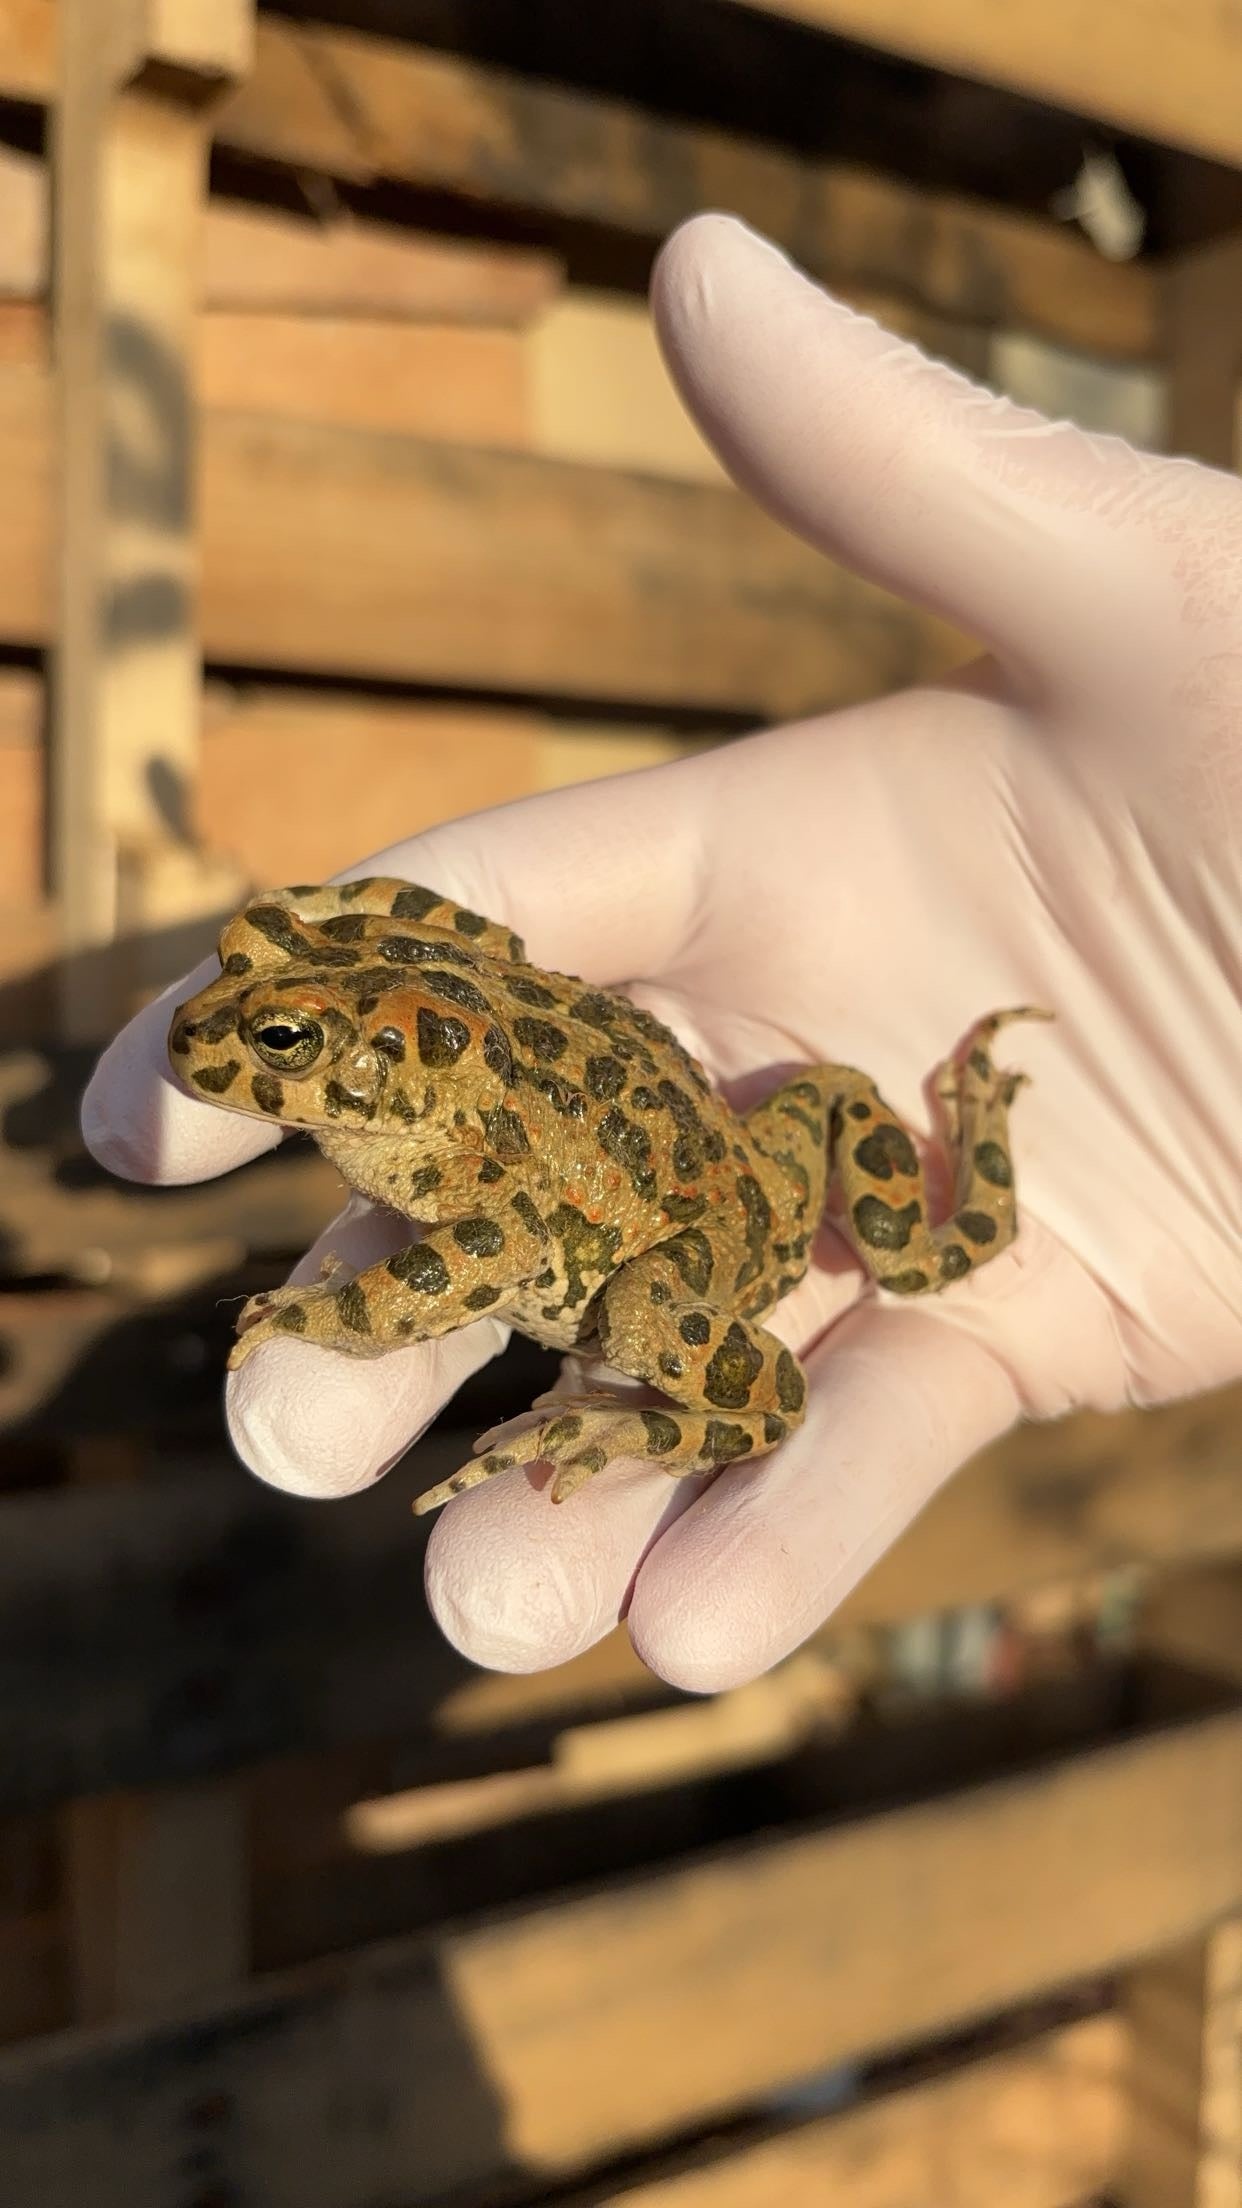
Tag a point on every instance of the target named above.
point(363, 762)
point(1177, 82)
point(555, 2036)
point(130, 151)
point(407, 379)
point(348, 552)
point(1034, 2128)
point(353, 553)
point(306, 1635)
point(259, 260)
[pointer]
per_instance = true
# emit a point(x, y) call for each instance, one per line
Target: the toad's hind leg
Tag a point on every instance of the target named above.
point(736, 1390)
point(882, 1181)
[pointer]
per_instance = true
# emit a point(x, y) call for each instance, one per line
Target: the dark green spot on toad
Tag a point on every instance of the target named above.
point(420, 1267)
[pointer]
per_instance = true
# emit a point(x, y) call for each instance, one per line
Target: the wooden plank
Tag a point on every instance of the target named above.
point(27, 470)
point(130, 150)
point(552, 2037)
point(349, 1853)
point(406, 379)
point(1034, 2128)
point(259, 260)
point(289, 109)
point(1177, 83)
point(305, 1633)
point(352, 553)
point(363, 762)
point(347, 552)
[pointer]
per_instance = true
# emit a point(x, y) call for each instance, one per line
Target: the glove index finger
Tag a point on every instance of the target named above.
point(142, 1125)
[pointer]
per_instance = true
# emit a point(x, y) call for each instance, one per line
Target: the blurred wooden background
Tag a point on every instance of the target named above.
point(344, 493)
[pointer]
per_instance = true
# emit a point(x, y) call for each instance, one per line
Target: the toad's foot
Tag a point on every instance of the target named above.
point(268, 1303)
point(584, 1436)
point(883, 1182)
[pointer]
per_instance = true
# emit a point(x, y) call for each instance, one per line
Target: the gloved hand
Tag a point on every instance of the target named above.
point(1062, 825)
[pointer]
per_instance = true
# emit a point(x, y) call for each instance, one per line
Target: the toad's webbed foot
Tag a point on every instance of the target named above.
point(583, 1436)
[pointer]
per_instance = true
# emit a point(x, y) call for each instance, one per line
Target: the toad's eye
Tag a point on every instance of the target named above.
point(288, 1041)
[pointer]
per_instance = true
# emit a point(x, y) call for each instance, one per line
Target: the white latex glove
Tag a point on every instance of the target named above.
point(1061, 827)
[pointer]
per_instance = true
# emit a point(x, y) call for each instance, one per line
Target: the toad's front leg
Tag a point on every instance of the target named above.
point(456, 1273)
point(737, 1391)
